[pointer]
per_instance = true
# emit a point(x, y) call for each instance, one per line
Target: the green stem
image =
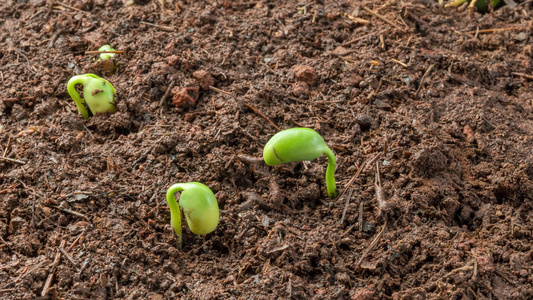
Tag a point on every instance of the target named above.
point(330, 173)
point(71, 88)
point(175, 214)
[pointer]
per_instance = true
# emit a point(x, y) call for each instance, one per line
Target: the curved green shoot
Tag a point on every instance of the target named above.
point(298, 144)
point(199, 206)
point(98, 93)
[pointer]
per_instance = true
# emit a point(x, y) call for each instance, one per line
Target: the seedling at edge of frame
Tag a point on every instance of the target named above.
point(482, 5)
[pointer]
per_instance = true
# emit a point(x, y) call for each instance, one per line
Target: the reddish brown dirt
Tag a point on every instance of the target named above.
point(445, 105)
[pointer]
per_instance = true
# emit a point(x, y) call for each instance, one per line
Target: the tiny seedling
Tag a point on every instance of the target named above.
point(481, 5)
point(298, 144)
point(199, 206)
point(104, 56)
point(98, 94)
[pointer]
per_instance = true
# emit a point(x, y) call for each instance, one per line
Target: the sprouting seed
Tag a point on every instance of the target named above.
point(199, 206)
point(98, 94)
point(299, 144)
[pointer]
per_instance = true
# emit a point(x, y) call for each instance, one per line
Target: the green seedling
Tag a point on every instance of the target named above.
point(481, 5)
point(104, 56)
point(199, 206)
point(98, 94)
point(299, 144)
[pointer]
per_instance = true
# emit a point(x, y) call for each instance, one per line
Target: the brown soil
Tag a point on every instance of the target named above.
point(448, 108)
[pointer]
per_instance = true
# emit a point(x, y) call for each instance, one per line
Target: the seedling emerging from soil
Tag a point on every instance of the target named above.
point(298, 144)
point(481, 5)
point(199, 206)
point(104, 56)
point(98, 94)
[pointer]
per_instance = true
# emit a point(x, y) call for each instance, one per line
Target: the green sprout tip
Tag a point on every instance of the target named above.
point(104, 56)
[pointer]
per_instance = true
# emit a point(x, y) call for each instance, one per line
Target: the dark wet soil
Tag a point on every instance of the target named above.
point(444, 96)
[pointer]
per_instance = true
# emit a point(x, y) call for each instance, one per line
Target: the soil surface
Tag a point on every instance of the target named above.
point(439, 100)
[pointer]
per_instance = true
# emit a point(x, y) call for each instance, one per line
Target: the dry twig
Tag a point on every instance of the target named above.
point(17, 99)
point(220, 91)
point(7, 189)
point(73, 8)
point(170, 86)
point(399, 62)
point(76, 240)
point(361, 217)
point(357, 39)
point(54, 265)
point(72, 212)
point(380, 195)
point(5, 243)
point(357, 20)
point(21, 274)
point(462, 80)
point(166, 28)
point(262, 115)
point(69, 258)
point(382, 18)
point(495, 30)
point(372, 245)
point(361, 168)
point(466, 267)
point(143, 156)
point(247, 105)
point(422, 80)
point(12, 160)
point(526, 76)
point(7, 147)
point(39, 265)
point(346, 206)
point(357, 174)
